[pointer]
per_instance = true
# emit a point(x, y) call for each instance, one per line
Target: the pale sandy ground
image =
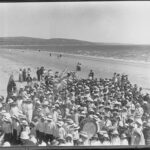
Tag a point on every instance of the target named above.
point(12, 60)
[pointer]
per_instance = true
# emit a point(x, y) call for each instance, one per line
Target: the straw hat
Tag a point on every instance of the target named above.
point(6, 144)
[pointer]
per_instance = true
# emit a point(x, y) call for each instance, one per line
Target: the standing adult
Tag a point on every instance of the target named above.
point(38, 73)
point(91, 74)
point(29, 79)
point(20, 75)
point(24, 73)
point(11, 87)
point(146, 132)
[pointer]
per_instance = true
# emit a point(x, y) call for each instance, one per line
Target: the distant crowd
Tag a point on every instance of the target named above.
point(51, 109)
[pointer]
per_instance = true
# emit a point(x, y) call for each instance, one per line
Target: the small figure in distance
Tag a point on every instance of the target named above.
point(78, 68)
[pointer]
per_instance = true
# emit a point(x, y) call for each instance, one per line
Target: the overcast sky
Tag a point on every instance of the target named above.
point(119, 22)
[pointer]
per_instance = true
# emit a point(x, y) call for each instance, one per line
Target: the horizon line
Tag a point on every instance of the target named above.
point(117, 43)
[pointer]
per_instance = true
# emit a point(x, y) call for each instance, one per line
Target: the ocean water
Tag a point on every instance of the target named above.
point(140, 53)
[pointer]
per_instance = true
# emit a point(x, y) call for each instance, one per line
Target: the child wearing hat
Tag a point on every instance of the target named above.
point(84, 139)
point(41, 129)
point(76, 135)
point(61, 133)
point(137, 137)
point(106, 139)
point(69, 140)
point(115, 139)
point(49, 129)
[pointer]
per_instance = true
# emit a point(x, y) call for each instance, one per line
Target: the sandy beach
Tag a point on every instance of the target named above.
point(12, 60)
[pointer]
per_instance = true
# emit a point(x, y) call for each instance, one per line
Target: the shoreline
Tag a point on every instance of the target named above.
point(85, 56)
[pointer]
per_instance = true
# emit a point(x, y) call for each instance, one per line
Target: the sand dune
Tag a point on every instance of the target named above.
point(12, 60)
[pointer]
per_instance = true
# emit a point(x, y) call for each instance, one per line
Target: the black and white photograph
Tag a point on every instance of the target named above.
point(75, 74)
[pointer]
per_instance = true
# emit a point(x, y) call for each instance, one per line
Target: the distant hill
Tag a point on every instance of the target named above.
point(39, 41)
point(53, 42)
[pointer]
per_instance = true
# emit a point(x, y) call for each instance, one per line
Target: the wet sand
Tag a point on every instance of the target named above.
point(12, 60)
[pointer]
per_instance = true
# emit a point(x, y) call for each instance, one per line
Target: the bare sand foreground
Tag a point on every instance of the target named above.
point(12, 60)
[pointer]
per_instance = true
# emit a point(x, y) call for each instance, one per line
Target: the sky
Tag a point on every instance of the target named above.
point(111, 22)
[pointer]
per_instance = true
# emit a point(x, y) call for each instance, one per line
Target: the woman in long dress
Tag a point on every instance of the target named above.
point(20, 75)
point(11, 87)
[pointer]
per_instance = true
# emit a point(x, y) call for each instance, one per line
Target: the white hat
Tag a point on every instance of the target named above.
point(6, 144)
point(24, 122)
point(10, 101)
point(115, 132)
point(139, 121)
point(33, 139)
point(42, 144)
point(24, 135)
